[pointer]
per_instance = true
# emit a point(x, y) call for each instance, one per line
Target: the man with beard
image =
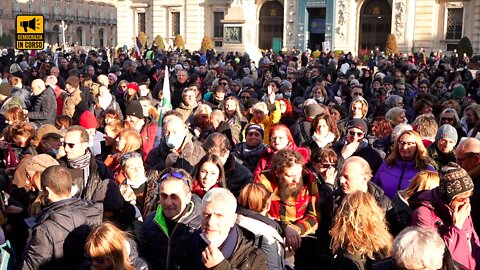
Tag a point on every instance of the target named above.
point(294, 204)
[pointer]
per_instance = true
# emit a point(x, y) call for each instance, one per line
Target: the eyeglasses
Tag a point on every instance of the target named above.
point(449, 119)
point(245, 97)
point(357, 94)
point(177, 175)
point(408, 144)
point(467, 156)
point(70, 145)
point(328, 165)
point(353, 133)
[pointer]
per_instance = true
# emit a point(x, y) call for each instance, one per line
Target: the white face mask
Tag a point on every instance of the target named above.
point(174, 142)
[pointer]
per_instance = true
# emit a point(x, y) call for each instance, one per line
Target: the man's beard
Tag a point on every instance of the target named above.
point(287, 191)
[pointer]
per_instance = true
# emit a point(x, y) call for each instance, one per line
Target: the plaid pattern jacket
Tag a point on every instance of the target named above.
point(302, 212)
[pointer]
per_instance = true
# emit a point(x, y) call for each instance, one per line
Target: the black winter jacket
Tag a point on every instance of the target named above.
point(168, 241)
point(59, 237)
point(44, 108)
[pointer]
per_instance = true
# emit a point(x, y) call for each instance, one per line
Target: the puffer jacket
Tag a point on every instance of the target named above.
point(431, 212)
point(44, 108)
point(397, 177)
point(59, 237)
point(165, 243)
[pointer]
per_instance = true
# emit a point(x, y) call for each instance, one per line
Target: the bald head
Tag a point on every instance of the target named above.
point(468, 153)
point(216, 117)
point(37, 87)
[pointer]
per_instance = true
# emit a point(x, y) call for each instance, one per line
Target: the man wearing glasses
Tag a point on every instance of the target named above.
point(468, 157)
point(90, 176)
point(447, 209)
point(168, 231)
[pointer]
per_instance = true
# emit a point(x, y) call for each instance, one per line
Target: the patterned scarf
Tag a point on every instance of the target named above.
point(81, 162)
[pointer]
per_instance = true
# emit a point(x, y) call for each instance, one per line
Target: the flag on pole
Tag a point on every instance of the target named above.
point(138, 47)
point(166, 105)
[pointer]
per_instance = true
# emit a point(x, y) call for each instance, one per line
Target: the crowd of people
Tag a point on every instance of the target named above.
point(297, 162)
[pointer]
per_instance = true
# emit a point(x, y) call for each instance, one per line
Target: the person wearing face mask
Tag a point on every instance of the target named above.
point(177, 148)
point(47, 140)
point(63, 215)
point(143, 125)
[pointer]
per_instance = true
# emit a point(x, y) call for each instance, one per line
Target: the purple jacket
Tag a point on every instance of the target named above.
point(431, 212)
point(397, 177)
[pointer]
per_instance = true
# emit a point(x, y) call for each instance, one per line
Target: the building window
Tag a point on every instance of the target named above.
point(141, 22)
point(80, 10)
point(57, 3)
point(175, 19)
point(44, 3)
point(454, 23)
point(217, 24)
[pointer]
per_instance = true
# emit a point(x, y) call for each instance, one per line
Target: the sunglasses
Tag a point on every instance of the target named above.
point(357, 94)
point(70, 145)
point(328, 165)
point(447, 119)
point(223, 84)
point(177, 175)
point(353, 133)
point(245, 97)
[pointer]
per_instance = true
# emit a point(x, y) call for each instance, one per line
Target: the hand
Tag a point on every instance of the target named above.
point(212, 256)
point(460, 214)
point(293, 238)
point(331, 175)
point(25, 111)
point(349, 149)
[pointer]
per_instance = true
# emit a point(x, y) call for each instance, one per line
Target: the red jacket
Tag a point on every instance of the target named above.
point(148, 133)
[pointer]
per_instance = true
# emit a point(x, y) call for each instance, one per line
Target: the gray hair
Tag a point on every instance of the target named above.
point(223, 196)
point(393, 113)
point(399, 129)
point(127, 156)
point(392, 100)
point(417, 247)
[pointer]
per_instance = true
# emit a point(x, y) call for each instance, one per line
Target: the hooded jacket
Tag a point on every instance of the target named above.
point(431, 211)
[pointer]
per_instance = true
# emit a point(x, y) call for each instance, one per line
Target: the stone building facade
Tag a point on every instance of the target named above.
point(350, 25)
point(87, 23)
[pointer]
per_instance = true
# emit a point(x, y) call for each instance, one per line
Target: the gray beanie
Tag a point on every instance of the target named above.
point(447, 131)
point(285, 85)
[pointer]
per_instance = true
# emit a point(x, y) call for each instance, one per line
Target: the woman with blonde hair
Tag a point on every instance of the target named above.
point(409, 156)
point(253, 205)
point(424, 180)
point(128, 141)
point(109, 248)
point(426, 126)
point(359, 233)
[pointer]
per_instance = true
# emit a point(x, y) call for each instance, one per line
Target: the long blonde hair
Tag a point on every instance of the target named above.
point(134, 141)
point(424, 180)
point(359, 227)
point(422, 159)
point(108, 241)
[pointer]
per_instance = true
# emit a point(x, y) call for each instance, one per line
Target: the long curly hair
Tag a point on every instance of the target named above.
point(360, 228)
point(422, 159)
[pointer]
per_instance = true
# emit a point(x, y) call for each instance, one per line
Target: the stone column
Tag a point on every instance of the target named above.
point(476, 29)
point(293, 31)
point(341, 16)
